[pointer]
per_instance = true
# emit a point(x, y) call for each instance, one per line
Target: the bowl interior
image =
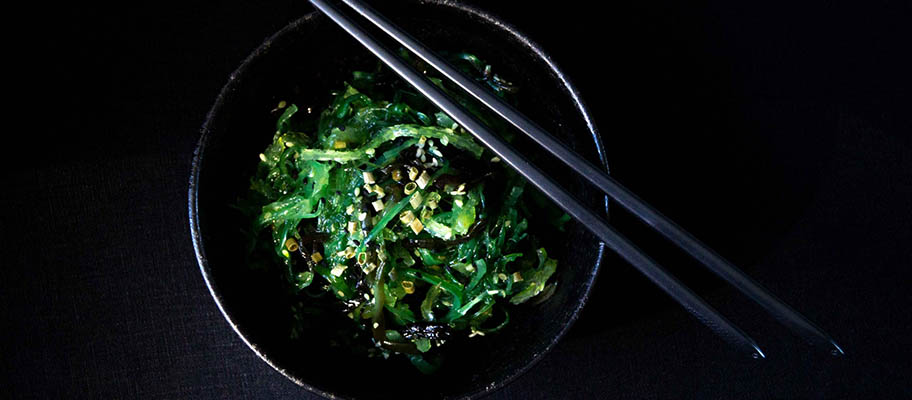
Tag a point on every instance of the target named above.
point(303, 63)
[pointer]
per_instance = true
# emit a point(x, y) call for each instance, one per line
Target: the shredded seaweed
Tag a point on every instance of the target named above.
point(387, 205)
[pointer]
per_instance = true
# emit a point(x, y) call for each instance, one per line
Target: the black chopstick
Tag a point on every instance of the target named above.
point(712, 260)
point(674, 288)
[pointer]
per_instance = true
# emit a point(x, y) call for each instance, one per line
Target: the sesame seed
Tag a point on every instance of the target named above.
point(291, 245)
point(416, 226)
point(424, 179)
point(338, 270)
point(416, 200)
point(262, 157)
point(410, 187)
point(406, 217)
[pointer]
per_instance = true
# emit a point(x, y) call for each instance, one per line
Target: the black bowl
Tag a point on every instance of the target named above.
point(305, 61)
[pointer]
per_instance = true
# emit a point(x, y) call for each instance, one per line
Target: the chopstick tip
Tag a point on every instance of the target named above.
point(836, 351)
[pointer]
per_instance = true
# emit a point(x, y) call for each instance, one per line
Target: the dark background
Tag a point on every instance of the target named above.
point(778, 133)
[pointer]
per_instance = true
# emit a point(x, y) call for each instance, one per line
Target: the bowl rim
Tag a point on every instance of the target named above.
point(193, 190)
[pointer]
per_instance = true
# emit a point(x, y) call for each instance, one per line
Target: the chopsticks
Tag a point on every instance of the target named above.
point(658, 275)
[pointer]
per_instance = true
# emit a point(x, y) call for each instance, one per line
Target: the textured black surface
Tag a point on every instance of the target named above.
point(778, 133)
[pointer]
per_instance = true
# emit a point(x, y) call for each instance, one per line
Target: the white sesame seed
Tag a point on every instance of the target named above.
point(407, 217)
point(416, 226)
point(416, 200)
point(338, 270)
point(262, 157)
point(423, 180)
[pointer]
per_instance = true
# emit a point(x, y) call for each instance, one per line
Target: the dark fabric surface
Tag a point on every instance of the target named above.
point(780, 134)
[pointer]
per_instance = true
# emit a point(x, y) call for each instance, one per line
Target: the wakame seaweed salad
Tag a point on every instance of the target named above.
point(382, 211)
